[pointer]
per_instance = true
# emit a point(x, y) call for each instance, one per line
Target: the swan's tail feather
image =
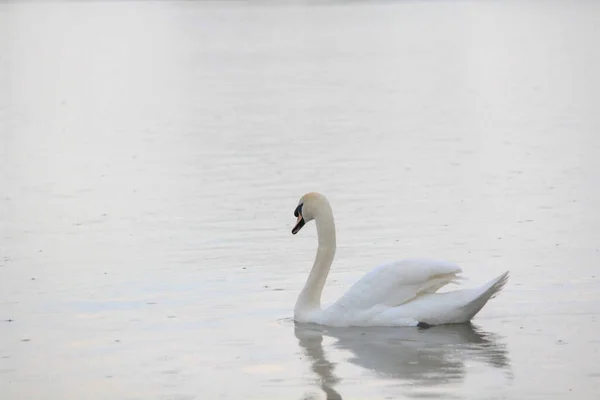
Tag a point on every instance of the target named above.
point(488, 291)
point(498, 284)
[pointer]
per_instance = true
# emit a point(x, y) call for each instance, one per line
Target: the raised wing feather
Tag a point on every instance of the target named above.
point(396, 283)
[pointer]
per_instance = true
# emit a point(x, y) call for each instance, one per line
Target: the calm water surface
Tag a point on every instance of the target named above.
point(152, 154)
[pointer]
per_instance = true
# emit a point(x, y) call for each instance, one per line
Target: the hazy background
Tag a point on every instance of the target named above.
point(152, 154)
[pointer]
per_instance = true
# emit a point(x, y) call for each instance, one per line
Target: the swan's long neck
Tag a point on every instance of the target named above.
point(310, 297)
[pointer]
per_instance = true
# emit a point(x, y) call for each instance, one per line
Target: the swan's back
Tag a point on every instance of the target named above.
point(395, 283)
point(452, 307)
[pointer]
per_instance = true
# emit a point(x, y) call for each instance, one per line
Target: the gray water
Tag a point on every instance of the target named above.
point(152, 155)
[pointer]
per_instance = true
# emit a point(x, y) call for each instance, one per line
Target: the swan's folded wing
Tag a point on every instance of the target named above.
point(396, 283)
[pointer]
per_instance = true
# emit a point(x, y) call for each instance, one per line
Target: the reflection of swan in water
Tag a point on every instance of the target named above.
point(421, 358)
point(311, 341)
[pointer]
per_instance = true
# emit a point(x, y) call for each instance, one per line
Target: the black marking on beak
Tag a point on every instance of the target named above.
point(298, 226)
point(300, 223)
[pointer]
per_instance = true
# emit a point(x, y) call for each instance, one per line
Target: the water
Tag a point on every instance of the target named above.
point(152, 154)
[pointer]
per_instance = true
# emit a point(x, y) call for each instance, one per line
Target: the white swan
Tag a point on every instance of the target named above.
point(401, 293)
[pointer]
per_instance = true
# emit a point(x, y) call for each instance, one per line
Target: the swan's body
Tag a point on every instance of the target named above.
point(401, 293)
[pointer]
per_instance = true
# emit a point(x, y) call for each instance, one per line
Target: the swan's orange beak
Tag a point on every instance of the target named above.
point(299, 224)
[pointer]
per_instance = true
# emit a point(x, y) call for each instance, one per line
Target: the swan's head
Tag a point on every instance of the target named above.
point(310, 206)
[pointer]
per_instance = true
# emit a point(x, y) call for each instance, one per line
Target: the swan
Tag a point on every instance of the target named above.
point(399, 293)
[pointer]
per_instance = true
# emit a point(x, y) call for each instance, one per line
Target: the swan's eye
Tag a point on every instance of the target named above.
point(298, 211)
